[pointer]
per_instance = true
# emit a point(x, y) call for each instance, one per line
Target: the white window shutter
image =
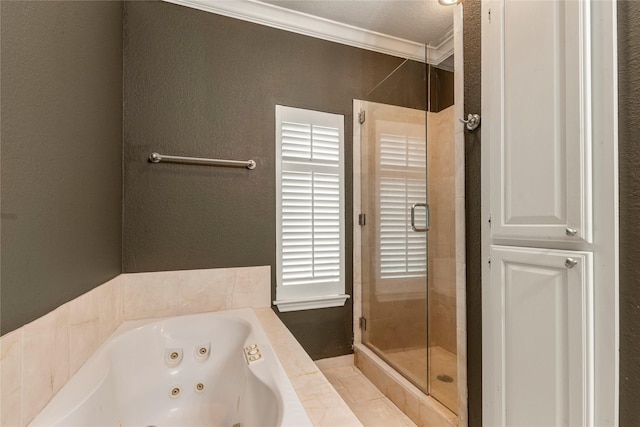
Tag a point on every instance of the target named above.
point(310, 204)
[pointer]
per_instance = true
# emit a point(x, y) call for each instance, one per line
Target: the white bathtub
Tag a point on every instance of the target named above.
point(184, 371)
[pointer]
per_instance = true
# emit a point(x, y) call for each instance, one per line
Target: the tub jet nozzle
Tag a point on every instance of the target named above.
point(172, 357)
point(201, 352)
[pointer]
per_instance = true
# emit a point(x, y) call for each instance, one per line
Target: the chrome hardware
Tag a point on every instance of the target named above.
point(413, 217)
point(570, 232)
point(570, 262)
point(157, 158)
point(472, 121)
point(362, 322)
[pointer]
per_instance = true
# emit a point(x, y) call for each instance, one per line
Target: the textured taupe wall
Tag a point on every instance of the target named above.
point(61, 153)
point(442, 93)
point(200, 84)
point(629, 140)
point(472, 205)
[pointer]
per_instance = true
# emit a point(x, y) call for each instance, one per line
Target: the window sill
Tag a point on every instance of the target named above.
point(311, 303)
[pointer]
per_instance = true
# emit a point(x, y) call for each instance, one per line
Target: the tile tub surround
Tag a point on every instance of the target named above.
point(322, 402)
point(172, 293)
point(37, 359)
point(421, 409)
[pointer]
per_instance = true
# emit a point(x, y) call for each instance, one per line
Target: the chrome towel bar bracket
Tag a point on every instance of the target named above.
point(157, 158)
point(472, 121)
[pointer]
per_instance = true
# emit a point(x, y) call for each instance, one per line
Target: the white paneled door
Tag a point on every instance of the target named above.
point(540, 120)
point(540, 329)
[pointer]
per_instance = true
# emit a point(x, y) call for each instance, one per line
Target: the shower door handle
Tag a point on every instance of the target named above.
point(413, 217)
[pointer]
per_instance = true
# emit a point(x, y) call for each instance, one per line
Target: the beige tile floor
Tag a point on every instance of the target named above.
point(413, 363)
point(371, 407)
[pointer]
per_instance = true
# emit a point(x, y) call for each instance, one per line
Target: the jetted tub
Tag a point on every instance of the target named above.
point(210, 369)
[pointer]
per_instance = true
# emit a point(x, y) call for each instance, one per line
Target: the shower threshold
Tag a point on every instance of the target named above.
point(421, 408)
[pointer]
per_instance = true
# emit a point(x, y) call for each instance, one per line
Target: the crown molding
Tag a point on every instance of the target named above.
point(437, 54)
point(313, 26)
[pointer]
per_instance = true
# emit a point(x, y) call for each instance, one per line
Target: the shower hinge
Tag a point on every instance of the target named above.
point(362, 219)
point(363, 323)
point(361, 117)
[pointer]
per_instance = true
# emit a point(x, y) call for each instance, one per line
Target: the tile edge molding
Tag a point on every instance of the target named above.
point(235, 293)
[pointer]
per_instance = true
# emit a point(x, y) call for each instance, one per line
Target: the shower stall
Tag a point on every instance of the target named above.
point(405, 242)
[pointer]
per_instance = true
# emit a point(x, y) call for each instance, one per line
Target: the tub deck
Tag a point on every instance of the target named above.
point(322, 402)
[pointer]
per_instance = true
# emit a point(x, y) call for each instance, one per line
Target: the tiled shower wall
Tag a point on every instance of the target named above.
point(37, 359)
point(442, 232)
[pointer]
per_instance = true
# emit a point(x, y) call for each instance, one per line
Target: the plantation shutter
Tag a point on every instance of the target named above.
point(402, 182)
point(310, 203)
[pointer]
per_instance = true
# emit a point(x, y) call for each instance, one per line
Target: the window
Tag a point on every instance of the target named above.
point(310, 209)
point(403, 252)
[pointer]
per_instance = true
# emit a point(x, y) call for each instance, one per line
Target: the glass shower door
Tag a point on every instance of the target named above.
point(394, 239)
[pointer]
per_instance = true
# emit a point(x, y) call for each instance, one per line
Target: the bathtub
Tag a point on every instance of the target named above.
point(210, 369)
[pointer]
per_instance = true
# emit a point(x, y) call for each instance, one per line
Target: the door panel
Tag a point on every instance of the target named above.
point(540, 324)
point(393, 162)
point(542, 150)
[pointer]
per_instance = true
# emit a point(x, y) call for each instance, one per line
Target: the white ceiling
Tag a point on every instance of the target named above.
point(421, 21)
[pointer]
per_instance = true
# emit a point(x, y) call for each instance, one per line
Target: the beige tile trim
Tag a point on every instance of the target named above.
point(322, 402)
point(334, 362)
point(420, 408)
